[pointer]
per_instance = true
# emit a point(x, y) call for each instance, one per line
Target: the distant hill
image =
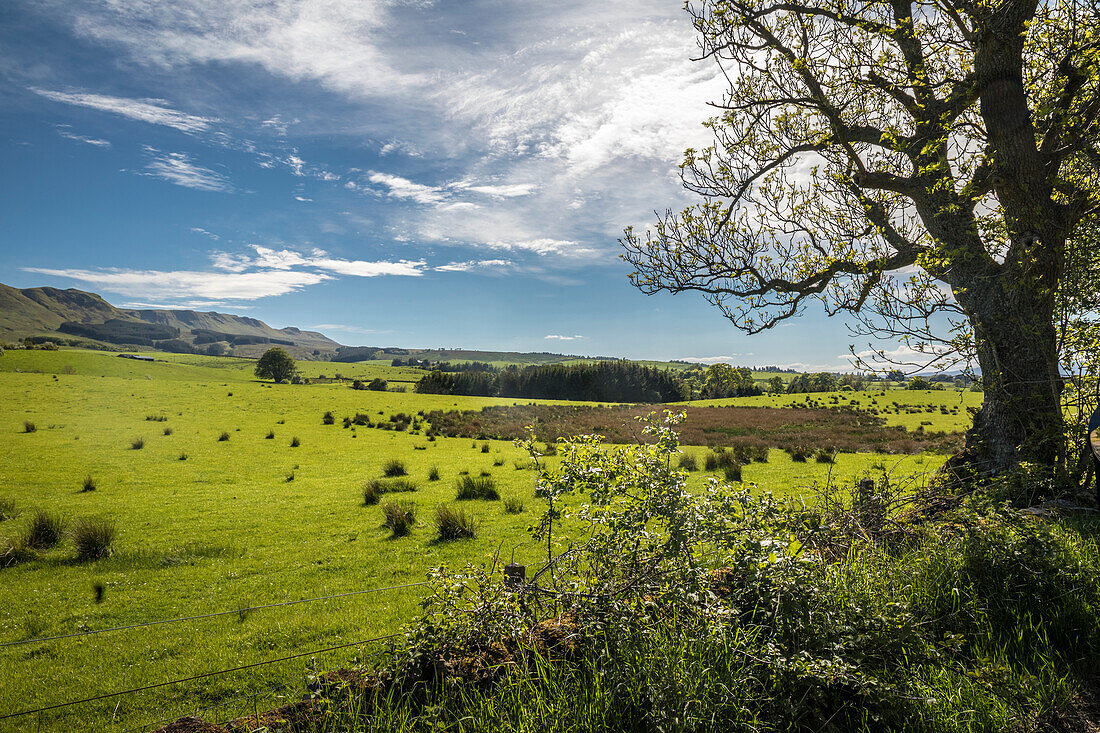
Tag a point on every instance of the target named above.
point(74, 315)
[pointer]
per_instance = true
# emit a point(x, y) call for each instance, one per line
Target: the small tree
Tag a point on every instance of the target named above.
point(276, 365)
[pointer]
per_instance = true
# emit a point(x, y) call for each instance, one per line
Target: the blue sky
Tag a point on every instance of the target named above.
point(391, 172)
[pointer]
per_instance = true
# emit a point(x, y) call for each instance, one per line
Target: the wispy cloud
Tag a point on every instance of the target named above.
point(190, 284)
point(65, 132)
point(559, 337)
point(341, 327)
point(205, 233)
point(177, 168)
point(475, 265)
point(153, 111)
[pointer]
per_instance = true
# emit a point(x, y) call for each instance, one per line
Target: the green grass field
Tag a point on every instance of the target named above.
point(240, 522)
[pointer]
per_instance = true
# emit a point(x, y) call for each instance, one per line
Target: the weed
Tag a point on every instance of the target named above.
point(137, 443)
point(94, 538)
point(400, 517)
point(223, 437)
point(89, 484)
point(454, 524)
point(45, 530)
point(394, 467)
point(29, 427)
point(512, 505)
point(483, 487)
point(294, 442)
point(433, 473)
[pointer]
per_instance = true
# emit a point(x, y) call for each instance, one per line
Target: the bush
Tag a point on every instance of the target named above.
point(798, 454)
point(29, 427)
point(45, 531)
point(139, 443)
point(94, 538)
point(328, 418)
point(89, 484)
point(400, 517)
point(733, 473)
point(482, 487)
point(824, 455)
point(378, 385)
point(223, 437)
point(512, 505)
point(433, 473)
point(394, 467)
point(688, 462)
point(454, 524)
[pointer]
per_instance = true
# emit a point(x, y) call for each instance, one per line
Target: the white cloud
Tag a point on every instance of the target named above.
point(303, 199)
point(507, 190)
point(222, 286)
point(341, 327)
point(153, 111)
point(559, 337)
point(403, 188)
point(64, 132)
point(205, 233)
point(360, 268)
point(177, 168)
point(730, 359)
point(474, 265)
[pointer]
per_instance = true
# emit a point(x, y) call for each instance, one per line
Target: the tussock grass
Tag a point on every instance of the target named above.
point(454, 524)
point(223, 437)
point(481, 487)
point(399, 517)
point(394, 467)
point(295, 442)
point(375, 488)
point(93, 538)
point(29, 427)
point(512, 505)
point(137, 443)
point(433, 473)
point(8, 510)
point(88, 484)
point(689, 462)
point(45, 530)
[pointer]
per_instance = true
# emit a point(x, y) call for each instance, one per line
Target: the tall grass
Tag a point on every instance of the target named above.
point(399, 517)
point(394, 467)
point(454, 524)
point(45, 530)
point(94, 538)
point(481, 487)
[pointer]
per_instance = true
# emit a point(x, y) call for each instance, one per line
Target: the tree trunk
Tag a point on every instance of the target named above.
point(1021, 416)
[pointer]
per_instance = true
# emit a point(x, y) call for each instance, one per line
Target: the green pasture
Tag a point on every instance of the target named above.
point(208, 525)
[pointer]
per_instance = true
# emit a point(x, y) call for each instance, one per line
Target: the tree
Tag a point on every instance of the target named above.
point(927, 166)
point(276, 365)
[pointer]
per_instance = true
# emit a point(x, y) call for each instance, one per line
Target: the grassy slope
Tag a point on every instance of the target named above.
point(224, 528)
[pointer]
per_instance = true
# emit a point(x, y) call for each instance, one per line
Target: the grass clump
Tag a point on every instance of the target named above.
point(45, 530)
point(689, 462)
point(29, 427)
point(168, 431)
point(433, 473)
point(376, 487)
point(183, 457)
point(399, 517)
point(270, 435)
point(8, 510)
point(93, 537)
point(88, 484)
point(512, 505)
point(454, 524)
point(223, 437)
point(824, 455)
point(328, 418)
point(481, 487)
point(137, 443)
point(294, 442)
point(733, 472)
point(484, 447)
point(394, 467)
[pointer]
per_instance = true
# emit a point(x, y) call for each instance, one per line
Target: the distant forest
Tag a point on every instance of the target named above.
point(617, 381)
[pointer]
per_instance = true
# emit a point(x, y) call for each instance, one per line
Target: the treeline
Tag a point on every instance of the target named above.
point(618, 381)
point(825, 382)
point(444, 366)
point(119, 331)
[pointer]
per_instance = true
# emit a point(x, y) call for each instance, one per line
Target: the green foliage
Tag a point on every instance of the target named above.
point(45, 530)
point(276, 365)
point(93, 537)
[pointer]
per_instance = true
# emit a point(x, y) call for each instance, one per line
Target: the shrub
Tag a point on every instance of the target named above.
point(378, 385)
point(270, 435)
point(484, 447)
point(394, 467)
point(328, 418)
point(372, 492)
point(400, 517)
point(89, 484)
point(483, 487)
point(512, 505)
point(733, 473)
point(29, 427)
point(168, 431)
point(223, 437)
point(94, 538)
point(433, 473)
point(137, 443)
point(454, 524)
point(8, 510)
point(294, 442)
point(824, 455)
point(798, 454)
point(45, 530)
point(688, 461)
